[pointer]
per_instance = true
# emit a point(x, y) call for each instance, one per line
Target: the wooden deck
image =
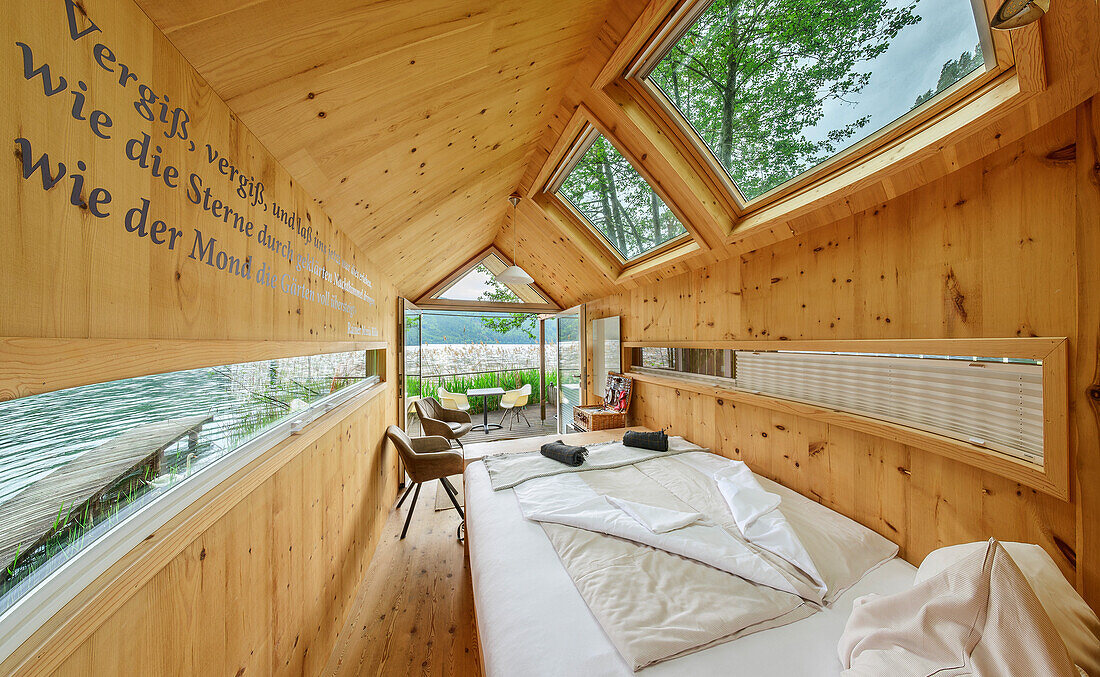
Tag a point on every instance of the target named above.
point(519, 429)
point(29, 519)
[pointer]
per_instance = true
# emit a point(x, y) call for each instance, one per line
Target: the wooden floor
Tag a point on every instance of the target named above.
point(414, 613)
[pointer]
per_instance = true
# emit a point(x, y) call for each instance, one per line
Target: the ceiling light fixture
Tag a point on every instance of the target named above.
point(1016, 13)
point(513, 274)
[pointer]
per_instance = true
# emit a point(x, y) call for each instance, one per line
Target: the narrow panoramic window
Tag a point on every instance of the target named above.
point(606, 189)
point(776, 88)
point(74, 463)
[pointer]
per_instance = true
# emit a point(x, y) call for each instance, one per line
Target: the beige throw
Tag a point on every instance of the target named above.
point(978, 617)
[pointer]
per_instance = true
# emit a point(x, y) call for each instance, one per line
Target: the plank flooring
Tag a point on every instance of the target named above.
point(414, 612)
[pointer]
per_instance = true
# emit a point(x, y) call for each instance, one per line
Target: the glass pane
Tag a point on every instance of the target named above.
point(76, 462)
point(775, 88)
point(479, 285)
point(413, 324)
point(569, 370)
point(617, 201)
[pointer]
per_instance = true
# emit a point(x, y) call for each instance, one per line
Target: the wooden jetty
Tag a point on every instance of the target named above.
point(30, 518)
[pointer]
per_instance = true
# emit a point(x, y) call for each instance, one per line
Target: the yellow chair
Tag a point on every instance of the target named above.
point(513, 402)
point(456, 401)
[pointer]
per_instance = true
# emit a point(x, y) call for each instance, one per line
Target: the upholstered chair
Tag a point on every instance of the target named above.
point(435, 419)
point(426, 459)
point(513, 402)
point(456, 401)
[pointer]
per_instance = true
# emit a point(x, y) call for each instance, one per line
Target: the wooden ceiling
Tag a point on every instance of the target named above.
point(409, 122)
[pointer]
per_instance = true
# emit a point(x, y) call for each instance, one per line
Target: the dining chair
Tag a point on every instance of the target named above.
point(435, 419)
point(513, 402)
point(426, 459)
point(456, 401)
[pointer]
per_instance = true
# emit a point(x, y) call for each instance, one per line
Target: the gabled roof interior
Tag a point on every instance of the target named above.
point(410, 123)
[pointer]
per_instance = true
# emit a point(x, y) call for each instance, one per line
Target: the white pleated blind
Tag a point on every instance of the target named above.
point(998, 405)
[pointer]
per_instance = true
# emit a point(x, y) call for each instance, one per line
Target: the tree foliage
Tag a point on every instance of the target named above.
point(752, 75)
point(502, 324)
point(953, 71)
point(615, 199)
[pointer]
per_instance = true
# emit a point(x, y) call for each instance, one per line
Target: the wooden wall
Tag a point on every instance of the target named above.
point(263, 586)
point(265, 589)
point(1003, 247)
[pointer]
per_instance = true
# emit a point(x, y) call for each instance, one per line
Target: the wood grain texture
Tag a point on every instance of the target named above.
point(273, 556)
point(997, 248)
point(255, 576)
point(68, 274)
point(414, 612)
point(1059, 70)
point(411, 122)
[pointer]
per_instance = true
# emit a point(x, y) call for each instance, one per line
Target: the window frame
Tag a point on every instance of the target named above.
point(1052, 477)
point(580, 144)
point(635, 77)
point(76, 577)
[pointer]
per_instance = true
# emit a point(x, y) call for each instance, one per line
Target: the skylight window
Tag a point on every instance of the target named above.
point(774, 88)
point(606, 189)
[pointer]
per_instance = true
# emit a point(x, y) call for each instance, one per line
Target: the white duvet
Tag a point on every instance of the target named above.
point(674, 554)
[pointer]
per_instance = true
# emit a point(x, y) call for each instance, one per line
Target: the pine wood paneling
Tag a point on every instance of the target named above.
point(255, 576)
point(411, 122)
point(266, 588)
point(998, 248)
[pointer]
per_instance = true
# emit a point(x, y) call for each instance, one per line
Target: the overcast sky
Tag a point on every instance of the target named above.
point(469, 287)
point(910, 67)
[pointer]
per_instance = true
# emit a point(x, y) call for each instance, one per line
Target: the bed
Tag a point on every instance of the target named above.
point(533, 621)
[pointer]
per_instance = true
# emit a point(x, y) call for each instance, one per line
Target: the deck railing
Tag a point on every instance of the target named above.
point(459, 382)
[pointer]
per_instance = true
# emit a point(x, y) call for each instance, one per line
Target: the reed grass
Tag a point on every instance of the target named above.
point(508, 379)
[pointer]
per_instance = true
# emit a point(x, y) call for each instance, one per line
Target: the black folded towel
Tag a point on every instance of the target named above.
point(564, 453)
point(657, 441)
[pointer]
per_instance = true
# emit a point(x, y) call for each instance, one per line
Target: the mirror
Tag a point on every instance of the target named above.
point(606, 352)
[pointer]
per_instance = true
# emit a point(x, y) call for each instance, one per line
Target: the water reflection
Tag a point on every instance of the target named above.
point(42, 433)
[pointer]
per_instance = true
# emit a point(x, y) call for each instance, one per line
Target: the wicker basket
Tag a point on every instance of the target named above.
point(588, 419)
point(603, 417)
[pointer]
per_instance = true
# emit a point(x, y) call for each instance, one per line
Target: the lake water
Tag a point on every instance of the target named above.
point(43, 432)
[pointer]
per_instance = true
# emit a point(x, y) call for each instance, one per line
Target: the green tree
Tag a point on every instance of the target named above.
point(953, 71)
point(614, 197)
point(502, 324)
point(752, 75)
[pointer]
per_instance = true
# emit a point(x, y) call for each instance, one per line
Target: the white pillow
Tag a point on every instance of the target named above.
point(1074, 620)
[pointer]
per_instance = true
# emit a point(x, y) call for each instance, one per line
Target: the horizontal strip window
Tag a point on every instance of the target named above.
point(991, 403)
point(715, 362)
point(76, 463)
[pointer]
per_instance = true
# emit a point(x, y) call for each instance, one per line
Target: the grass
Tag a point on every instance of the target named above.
point(508, 379)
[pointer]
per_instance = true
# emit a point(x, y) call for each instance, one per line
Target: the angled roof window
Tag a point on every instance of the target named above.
point(774, 89)
point(618, 203)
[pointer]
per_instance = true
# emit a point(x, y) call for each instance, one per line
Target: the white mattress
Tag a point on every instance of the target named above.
point(532, 621)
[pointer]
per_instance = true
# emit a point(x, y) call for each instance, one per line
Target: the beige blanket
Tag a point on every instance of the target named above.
point(978, 617)
point(661, 595)
point(510, 470)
